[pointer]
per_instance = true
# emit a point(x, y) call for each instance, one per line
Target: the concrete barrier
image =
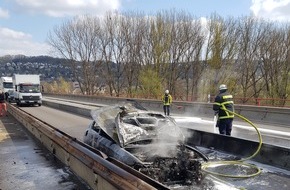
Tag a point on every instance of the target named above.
point(268, 154)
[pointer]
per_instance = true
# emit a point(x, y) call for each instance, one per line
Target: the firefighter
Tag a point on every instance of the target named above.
point(224, 101)
point(167, 100)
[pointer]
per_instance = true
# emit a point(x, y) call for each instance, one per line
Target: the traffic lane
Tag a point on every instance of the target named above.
point(75, 125)
point(26, 164)
point(72, 124)
point(278, 135)
point(237, 120)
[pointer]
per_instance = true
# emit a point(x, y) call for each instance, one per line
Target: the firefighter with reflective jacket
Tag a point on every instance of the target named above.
point(223, 102)
point(167, 100)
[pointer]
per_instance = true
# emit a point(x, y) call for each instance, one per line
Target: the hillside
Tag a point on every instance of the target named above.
point(48, 68)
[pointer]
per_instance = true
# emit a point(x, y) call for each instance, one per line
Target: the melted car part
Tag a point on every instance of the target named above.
point(97, 138)
point(183, 169)
point(125, 123)
point(149, 142)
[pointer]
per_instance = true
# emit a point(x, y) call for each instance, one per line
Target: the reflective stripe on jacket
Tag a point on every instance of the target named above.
point(167, 99)
point(224, 101)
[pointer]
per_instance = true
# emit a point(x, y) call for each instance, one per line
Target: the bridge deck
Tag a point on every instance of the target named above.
point(25, 164)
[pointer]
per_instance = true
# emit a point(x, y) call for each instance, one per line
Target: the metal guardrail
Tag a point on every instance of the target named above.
point(91, 167)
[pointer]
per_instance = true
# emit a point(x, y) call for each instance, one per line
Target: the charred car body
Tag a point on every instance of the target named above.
point(149, 142)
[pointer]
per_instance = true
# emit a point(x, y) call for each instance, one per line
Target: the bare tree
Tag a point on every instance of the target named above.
point(77, 41)
point(221, 50)
point(248, 67)
point(159, 44)
point(135, 38)
point(112, 47)
point(185, 53)
point(252, 56)
point(275, 61)
point(198, 66)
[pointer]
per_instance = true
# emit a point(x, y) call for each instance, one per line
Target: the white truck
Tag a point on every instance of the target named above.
point(6, 86)
point(27, 89)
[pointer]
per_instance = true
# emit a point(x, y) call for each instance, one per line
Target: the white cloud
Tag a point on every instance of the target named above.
point(61, 8)
point(14, 42)
point(4, 13)
point(271, 9)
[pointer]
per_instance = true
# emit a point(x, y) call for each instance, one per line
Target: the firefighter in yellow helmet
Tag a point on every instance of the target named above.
point(224, 101)
point(167, 100)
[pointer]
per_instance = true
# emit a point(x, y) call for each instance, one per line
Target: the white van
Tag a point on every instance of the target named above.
point(6, 86)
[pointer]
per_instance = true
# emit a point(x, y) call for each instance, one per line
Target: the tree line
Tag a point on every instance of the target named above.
point(141, 56)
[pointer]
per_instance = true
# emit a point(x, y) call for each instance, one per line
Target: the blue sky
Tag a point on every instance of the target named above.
point(24, 24)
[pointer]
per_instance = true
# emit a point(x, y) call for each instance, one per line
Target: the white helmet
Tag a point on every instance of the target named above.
point(223, 87)
point(166, 91)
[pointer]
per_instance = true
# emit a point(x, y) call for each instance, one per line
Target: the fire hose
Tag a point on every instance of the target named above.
point(240, 162)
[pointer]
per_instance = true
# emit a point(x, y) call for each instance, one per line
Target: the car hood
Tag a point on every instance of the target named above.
point(125, 124)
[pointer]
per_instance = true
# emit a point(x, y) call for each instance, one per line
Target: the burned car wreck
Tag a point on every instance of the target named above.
point(149, 142)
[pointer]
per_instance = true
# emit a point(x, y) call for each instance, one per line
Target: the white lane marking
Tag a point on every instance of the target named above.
point(268, 131)
point(200, 120)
